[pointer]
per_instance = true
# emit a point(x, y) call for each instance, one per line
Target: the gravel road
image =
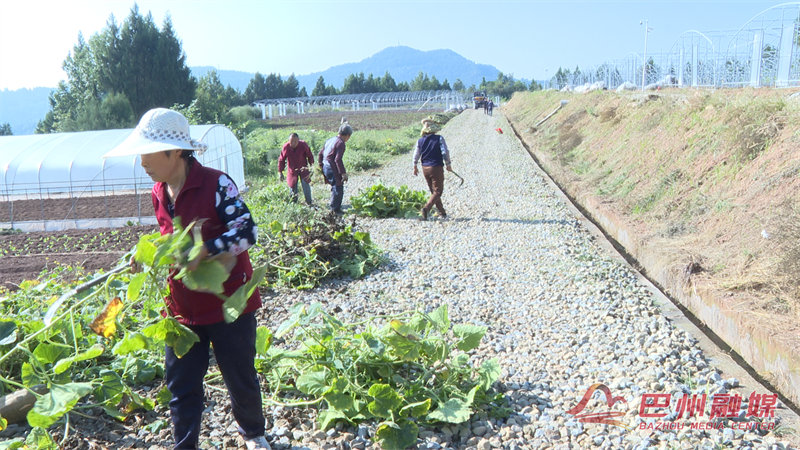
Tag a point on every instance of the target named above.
point(562, 314)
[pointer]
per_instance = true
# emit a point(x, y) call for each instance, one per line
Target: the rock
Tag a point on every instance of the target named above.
point(319, 435)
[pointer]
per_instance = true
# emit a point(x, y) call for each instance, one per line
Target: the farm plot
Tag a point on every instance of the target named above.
point(23, 256)
point(85, 207)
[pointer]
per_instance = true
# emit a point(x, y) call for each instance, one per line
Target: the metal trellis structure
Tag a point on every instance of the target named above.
point(764, 52)
point(441, 99)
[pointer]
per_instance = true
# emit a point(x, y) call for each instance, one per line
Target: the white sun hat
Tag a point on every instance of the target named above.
point(160, 129)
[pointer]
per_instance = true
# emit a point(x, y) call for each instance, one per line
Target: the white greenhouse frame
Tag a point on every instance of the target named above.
point(71, 166)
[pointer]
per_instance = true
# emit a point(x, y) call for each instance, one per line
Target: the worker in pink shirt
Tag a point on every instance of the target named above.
point(297, 155)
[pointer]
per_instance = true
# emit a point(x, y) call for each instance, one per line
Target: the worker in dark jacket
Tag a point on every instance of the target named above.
point(330, 161)
point(298, 157)
point(186, 189)
point(432, 151)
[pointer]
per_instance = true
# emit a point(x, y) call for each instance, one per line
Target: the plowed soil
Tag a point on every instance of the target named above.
point(77, 208)
point(25, 255)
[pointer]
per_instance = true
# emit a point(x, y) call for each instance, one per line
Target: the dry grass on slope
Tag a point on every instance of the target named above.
point(703, 176)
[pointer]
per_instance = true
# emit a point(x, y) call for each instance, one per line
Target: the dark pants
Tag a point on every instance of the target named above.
point(434, 175)
point(235, 348)
point(337, 190)
point(306, 191)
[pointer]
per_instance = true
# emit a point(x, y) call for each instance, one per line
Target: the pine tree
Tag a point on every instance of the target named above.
point(291, 87)
point(387, 83)
point(135, 63)
point(256, 89)
point(319, 88)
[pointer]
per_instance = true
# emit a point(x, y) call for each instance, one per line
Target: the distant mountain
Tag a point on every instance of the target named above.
point(237, 79)
point(404, 63)
point(24, 108)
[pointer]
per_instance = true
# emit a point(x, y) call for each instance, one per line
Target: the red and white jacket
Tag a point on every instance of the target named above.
point(211, 195)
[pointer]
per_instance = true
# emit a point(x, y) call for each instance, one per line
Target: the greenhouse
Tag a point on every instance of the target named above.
point(59, 181)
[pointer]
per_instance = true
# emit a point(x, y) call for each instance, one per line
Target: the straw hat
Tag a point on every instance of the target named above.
point(430, 126)
point(160, 129)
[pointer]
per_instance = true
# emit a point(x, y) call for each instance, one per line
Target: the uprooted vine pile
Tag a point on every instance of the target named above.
point(301, 254)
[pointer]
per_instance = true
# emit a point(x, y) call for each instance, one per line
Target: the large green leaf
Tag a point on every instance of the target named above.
point(385, 400)
point(29, 376)
point(64, 364)
point(404, 348)
point(440, 318)
point(235, 304)
point(172, 333)
point(470, 336)
point(312, 383)
point(50, 353)
point(488, 373)
point(51, 406)
point(416, 410)
point(208, 277)
point(135, 286)
point(397, 436)
point(452, 411)
point(8, 332)
point(111, 388)
point(164, 396)
point(374, 345)
point(336, 396)
point(328, 417)
point(40, 439)
point(138, 402)
point(139, 371)
point(146, 250)
point(263, 340)
point(131, 343)
point(12, 444)
point(461, 360)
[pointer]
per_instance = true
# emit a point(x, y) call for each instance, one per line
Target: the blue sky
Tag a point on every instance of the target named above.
point(529, 39)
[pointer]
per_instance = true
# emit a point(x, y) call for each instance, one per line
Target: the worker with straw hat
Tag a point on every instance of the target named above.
point(187, 190)
point(431, 150)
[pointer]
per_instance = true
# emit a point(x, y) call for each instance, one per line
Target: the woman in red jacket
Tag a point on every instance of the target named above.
point(186, 189)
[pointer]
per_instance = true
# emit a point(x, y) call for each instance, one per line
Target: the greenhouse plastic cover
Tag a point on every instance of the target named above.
point(44, 164)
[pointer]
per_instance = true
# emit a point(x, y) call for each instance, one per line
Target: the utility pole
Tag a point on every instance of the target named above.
point(644, 62)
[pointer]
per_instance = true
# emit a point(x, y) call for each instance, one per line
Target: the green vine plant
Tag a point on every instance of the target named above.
point(402, 371)
point(382, 201)
point(126, 342)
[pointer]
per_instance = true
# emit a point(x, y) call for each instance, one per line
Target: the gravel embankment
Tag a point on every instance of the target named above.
point(562, 314)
